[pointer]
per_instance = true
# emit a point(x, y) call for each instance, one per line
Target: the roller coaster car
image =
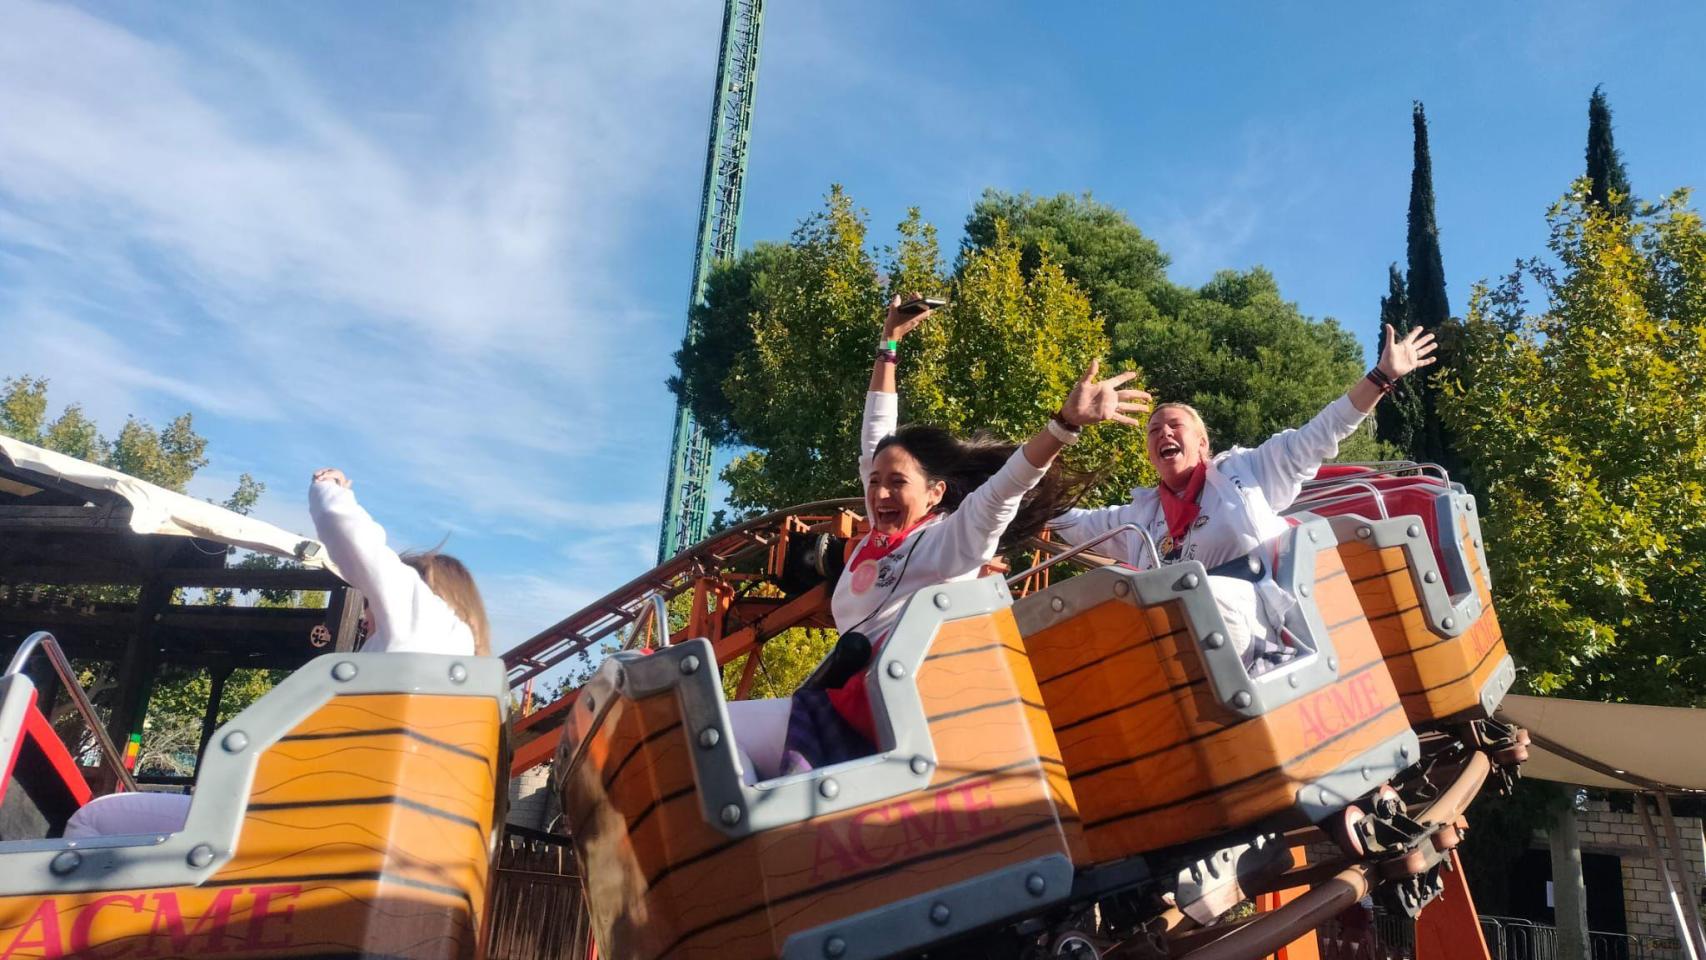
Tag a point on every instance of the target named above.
point(1166, 737)
point(350, 812)
point(1412, 546)
point(963, 820)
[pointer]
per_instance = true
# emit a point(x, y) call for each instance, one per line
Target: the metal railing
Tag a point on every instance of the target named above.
point(654, 613)
point(44, 641)
point(1513, 938)
point(1079, 548)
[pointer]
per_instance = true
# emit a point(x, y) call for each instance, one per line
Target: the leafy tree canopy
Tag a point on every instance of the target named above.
point(1581, 420)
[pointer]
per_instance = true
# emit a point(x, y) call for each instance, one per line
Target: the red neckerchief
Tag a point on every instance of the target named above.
point(879, 545)
point(1182, 508)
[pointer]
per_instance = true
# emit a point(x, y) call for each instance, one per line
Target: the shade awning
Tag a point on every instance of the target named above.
point(1612, 746)
point(156, 510)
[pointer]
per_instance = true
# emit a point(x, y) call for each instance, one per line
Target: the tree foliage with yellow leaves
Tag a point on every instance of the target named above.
point(1580, 400)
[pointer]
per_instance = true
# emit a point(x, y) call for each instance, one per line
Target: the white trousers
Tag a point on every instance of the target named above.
point(121, 814)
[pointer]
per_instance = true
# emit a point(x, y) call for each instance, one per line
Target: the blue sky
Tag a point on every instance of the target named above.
point(448, 248)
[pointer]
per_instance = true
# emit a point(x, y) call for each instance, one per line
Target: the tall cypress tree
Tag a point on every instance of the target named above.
point(1427, 305)
point(1398, 420)
point(1605, 164)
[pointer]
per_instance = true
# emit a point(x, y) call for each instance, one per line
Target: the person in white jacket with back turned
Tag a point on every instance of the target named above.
point(1223, 510)
point(416, 603)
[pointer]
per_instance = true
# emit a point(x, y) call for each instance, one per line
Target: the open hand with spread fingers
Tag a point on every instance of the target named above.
point(1093, 401)
point(1402, 357)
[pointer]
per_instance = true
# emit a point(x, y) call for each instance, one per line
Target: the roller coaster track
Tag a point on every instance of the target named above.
point(749, 552)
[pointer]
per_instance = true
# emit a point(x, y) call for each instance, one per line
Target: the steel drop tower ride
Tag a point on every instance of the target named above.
point(686, 503)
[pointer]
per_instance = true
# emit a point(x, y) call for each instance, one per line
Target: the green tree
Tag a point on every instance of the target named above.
point(1235, 349)
point(1605, 165)
point(1429, 306)
point(1398, 419)
point(1582, 424)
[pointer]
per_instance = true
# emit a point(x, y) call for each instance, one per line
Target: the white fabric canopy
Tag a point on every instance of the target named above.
point(1613, 746)
point(156, 510)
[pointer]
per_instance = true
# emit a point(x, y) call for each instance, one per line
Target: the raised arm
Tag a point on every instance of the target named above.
point(356, 544)
point(882, 403)
point(972, 533)
point(1288, 458)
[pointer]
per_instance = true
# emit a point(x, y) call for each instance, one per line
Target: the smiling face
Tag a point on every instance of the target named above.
point(898, 494)
point(1177, 443)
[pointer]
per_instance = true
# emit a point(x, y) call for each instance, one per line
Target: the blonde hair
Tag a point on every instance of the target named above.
point(446, 577)
point(1190, 411)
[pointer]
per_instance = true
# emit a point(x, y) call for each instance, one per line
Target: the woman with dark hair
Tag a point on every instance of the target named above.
point(939, 509)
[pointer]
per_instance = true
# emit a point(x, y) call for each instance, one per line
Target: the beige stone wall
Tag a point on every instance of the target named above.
point(1646, 909)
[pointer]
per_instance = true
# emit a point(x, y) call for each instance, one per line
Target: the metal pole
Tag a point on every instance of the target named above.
point(1569, 891)
point(1690, 892)
point(1658, 853)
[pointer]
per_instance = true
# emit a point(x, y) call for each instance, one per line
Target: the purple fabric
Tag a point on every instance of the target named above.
point(817, 732)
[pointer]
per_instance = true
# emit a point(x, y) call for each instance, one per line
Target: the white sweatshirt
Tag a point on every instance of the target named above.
point(407, 616)
point(949, 547)
point(1242, 495)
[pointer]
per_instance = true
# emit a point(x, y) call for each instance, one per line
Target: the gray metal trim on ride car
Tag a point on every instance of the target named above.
point(1326, 795)
point(954, 910)
point(1493, 692)
point(738, 809)
point(1449, 611)
point(1187, 584)
point(226, 775)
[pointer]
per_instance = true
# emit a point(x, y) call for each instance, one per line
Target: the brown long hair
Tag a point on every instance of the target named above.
point(446, 577)
point(963, 465)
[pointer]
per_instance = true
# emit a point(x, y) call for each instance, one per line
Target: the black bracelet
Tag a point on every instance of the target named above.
point(1068, 424)
point(1381, 381)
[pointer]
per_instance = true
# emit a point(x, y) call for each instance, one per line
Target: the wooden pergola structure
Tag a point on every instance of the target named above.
point(102, 560)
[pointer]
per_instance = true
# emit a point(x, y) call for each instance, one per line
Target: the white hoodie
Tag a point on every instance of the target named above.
point(407, 616)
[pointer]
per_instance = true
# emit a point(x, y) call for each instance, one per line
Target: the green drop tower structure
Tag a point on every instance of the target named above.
point(686, 498)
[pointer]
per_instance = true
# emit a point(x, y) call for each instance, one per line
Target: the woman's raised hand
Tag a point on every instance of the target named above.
point(331, 475)
point(900, 324)
point(1093, 401)
point(1405, 356)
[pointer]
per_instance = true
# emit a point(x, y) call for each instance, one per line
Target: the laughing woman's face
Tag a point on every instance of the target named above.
point(1176, 445)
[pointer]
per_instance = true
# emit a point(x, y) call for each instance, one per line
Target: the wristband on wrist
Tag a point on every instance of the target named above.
point(1065, 434)
point(888, 351)
point(1381, 381)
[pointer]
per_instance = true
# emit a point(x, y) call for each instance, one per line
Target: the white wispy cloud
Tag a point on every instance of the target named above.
point(203, 219)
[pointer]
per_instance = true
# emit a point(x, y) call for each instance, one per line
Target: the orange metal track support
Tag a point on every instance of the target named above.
point(1448, 928)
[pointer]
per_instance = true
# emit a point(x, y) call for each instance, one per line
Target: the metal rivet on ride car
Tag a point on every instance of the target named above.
point(1241, 699)
point(1413, 530)
point(1448, 623)
point(1365, 532)
point(1470, 506)
point(1056, 604)
point(834, 947)
point(67, 862)
point(709, 737)
point(343, 670)
point(1333, 664)
point(1035, 885)
point(1430, 577)
point(1190, 581)
point(1404, 751)
point(458, 673)
point(1314, 537)
point(1121, 588)
point(690, 664)
point(1367, 774)
point(235, 741)
point(200, 855)
point(1293, 679)
point(1303, 589)
point(1215, 640)
point(920, 766)
point(731, 814)
point(1477, 543)
point(941, 600)
point(829, 788)
point(896, 669)
point(940, 915)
